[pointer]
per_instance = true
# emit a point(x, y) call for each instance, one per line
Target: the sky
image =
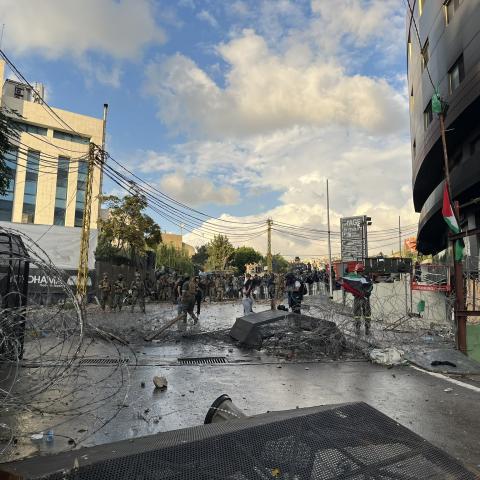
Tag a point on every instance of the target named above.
point(239, 108)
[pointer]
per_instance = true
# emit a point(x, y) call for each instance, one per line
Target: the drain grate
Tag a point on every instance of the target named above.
point(201, 360)
point(102, 361)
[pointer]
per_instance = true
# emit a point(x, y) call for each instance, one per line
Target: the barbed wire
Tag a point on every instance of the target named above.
point(43, 349)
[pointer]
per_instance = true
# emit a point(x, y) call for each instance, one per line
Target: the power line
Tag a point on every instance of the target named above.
point(45, 105)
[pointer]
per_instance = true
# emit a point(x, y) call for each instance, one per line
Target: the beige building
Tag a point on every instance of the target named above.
point(177, 242)
point(48, 167)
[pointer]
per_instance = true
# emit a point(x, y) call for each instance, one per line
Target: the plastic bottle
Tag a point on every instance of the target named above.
point(49, 436)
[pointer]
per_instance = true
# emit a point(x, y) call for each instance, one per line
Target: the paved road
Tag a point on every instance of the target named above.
point(448, 419)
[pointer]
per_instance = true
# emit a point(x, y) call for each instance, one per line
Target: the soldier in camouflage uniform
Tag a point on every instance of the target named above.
point(212, 291)
point(220, 288)
point(105, 292)
point(119, 289)
point(138, 292)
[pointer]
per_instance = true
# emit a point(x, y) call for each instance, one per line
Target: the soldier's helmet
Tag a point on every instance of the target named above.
point(120, 276)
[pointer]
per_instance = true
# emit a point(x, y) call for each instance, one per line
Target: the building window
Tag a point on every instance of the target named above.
point(31, 180)
point(456, 75)
point(451, 7)
point(427, 115)
point(6, 201)
point(81, 187)
point(425, 56)
point(61, 191)
point(69, 137)
point(27, 127)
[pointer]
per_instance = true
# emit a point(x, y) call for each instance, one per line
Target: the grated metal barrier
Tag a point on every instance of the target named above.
point(201, 360)
point(102, 361)
point(349, 441)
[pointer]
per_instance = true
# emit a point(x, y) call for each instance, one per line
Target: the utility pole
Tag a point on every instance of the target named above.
point(104, 153)
point(400, 253)
point(269, 245)
point(330, 280)
point(460, 307)
point(399, 237)
point(82, 275)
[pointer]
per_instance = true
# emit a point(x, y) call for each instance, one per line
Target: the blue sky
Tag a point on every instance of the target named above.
point(238, 108)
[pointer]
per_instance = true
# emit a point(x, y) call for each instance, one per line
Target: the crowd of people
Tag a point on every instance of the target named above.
point(167, 286)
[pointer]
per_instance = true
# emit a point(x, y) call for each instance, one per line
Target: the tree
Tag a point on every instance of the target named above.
point(219, 251)
point(169, 256)
point(7, 134)
point(279, 264)
point(201, 256)
point(244, 255)
point(127, 230)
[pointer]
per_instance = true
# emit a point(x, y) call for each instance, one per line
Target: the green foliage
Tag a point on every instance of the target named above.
point(244, 255)
point(279, 264)
point(7, 133)
point(127, 231)
point(201, 256)
point(169, 256)
point(220, 251)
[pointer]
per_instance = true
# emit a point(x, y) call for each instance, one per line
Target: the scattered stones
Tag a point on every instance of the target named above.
point(160, 382)
point(448, 390)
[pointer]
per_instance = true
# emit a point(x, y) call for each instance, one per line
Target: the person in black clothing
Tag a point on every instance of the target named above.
point(271, 286)
point(289, 285)
point(198, 294)
point(299, 290)
point(310, 283)
point(247, 300)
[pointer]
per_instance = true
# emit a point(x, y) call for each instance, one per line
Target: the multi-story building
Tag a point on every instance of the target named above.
point(47, 165)
point(177, 241)
point(446, 57)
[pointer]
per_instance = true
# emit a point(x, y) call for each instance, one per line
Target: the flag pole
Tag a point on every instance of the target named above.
point(460, 307)
point(330, 280)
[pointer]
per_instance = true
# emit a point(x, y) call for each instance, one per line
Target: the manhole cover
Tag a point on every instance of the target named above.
point(102, 361)
point(201, 360)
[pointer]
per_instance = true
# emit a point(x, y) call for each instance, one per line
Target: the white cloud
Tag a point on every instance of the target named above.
point(265, 91)
point(120, 29)
point(197, 190)
point(291, 110)
point(206, 16)
point(115, 30)
point(368, 175)
point(237, 7)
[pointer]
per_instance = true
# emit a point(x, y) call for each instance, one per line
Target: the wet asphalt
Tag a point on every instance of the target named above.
point(444, 413)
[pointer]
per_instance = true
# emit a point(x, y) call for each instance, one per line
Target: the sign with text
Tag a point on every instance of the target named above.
point(353, 235)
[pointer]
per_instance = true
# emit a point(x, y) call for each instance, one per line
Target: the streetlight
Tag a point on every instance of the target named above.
point(367, 221)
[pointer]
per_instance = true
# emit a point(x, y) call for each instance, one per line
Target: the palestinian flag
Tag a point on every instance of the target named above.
point(452, 222)
point(357, 285)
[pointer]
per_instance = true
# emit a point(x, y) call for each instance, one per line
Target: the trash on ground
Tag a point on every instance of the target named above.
point(386, 356)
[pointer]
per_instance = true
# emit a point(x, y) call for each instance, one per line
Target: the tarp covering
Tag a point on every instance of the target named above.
point(62, 244)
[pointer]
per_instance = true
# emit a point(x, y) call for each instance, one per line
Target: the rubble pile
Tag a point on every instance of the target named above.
point(310, 340)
